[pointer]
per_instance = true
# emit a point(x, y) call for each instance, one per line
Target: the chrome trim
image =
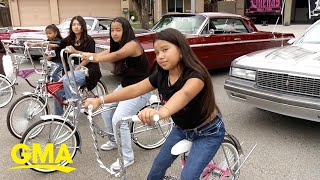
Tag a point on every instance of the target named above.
point(245, 41)
point(210, 44)
point(287, 104)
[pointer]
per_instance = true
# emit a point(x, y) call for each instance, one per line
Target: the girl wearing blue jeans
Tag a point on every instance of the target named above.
point(126, 50)
point(186, 92)
point(77, 41)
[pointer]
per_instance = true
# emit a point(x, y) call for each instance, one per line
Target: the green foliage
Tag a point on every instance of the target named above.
point(135, 14)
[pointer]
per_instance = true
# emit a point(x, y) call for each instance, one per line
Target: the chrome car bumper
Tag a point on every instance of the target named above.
point(304, 107)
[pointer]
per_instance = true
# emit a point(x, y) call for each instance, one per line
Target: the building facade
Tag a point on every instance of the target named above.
point(44, 12)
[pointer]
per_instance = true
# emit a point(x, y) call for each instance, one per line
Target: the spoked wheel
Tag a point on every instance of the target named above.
point(6, 91)
point(153, 136)
point(56, 132)
point(99, 90)
point(24, 112)
point(227, 159)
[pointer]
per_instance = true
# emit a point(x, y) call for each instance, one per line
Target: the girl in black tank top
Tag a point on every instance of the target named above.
point(125, 50)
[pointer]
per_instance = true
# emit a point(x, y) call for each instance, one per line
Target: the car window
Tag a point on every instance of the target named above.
point(224, 26)
point(105, 23)
point(185, 24)
point(312, 36)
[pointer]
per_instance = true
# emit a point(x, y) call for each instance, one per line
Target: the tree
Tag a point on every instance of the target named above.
point(141, 6)
point(4, 2)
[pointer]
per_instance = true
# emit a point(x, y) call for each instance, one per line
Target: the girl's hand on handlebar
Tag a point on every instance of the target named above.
point(146, 115)
point(93, 101)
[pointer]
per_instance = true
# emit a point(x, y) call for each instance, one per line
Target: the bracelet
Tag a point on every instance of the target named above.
point(101, 100)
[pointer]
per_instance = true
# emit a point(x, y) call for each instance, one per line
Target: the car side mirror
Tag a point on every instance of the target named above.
point(291, 41)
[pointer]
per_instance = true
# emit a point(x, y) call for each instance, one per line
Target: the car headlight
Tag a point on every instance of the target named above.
point(243, 73)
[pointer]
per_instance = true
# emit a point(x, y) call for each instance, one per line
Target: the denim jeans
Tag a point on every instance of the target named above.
point(206, 141)
point(55, 73)
point(66, 91)
point(124, 109)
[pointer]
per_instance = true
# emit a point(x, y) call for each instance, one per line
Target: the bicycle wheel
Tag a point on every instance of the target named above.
point(54, 131)
point(6, 92)
point(23, 113)
point(151, 137)
point(99, 90)
point(226, 158)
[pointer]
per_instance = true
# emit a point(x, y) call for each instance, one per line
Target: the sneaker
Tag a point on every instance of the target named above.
point(108, 146)
point(116, 165)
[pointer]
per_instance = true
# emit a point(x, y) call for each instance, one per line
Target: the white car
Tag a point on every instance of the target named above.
point(284, 80)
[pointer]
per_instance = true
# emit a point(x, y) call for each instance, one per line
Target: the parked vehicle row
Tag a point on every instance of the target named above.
point(216, 38)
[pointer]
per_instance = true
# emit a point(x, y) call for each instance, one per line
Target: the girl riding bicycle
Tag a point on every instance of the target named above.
point(77, 41)
point(53, 34)
point(126, 50)
point(186, 90)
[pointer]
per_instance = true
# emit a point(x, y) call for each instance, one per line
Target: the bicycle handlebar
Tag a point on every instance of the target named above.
point(134, 118)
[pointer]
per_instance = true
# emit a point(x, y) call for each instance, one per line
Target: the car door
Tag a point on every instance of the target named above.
point(223, 39)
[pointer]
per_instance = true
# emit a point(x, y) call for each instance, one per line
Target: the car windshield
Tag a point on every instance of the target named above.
point(185, 24)
point(312, 36)
point(66, 24)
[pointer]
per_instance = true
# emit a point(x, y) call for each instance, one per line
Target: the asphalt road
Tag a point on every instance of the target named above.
point(287, 148)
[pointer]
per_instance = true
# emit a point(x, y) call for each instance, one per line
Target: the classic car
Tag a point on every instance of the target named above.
point(216, 38)
point(284, 80)
point(97, 27)
point(5, 34)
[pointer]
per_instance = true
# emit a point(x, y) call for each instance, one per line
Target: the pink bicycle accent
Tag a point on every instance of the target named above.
point(25, 73)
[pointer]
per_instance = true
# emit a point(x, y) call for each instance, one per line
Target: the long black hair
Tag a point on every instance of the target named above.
point(127, 34)
point(71, 39)
point(54, 28)
point(189, 61)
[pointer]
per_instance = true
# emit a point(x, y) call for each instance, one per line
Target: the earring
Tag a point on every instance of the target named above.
point(180, 56)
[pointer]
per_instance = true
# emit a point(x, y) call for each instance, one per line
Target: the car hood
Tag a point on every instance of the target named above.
point(300, 58)
point(64, 33)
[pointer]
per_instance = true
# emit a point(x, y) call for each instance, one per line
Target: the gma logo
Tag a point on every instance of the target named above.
point(46, 157)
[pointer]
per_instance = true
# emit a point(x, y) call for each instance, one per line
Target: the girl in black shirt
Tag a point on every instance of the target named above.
point(78, 40)
point(186, 91)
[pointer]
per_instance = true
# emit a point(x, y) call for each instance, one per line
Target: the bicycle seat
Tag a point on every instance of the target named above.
point(182, 146)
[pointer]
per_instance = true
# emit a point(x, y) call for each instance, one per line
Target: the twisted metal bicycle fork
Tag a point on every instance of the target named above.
point(93, 127)
point(122, 171)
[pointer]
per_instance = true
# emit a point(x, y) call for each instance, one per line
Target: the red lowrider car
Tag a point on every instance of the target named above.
point(216, 38)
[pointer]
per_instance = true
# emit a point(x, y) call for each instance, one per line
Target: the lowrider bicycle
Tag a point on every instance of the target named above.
point(216, 38)
point(284, 80)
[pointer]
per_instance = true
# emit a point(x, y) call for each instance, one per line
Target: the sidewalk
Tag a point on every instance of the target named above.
point(298, 30)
